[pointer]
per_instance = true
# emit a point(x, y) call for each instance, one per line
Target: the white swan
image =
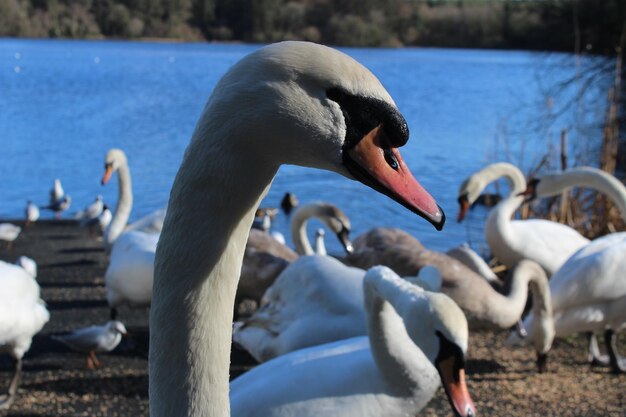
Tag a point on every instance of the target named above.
point(316, 300)
point(31, 213)
point(9, 232)
point(116, 161)
point(589, 291)
point(416, 339)
point(265, 258)
point(22, 315)
point(291, 102)
point(548, 243)
point(128, 278)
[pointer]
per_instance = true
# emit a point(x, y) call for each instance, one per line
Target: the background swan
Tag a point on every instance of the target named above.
point(265, 257)
point(116, 161)
point(548, 243)
point(291, 102)
point(588, 292)
point(416, 339)
point(316, 300)
point(22, 315)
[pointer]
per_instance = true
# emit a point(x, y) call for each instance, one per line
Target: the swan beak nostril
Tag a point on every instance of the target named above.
point(379, 165)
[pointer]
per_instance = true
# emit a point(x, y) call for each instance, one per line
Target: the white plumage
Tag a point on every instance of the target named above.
point(22, 315)
point(394, 372)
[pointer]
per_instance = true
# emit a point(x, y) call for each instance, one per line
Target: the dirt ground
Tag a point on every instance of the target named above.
point(56, 382)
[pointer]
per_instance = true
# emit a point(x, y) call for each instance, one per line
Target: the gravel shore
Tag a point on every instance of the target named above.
point(56, 382)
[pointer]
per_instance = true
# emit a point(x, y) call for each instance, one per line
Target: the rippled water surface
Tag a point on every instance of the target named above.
point(63, 104)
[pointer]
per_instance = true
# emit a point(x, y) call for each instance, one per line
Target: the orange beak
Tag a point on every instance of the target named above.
point(463, 207)
point(108, 171)
point(377, 164)
point(454, 385)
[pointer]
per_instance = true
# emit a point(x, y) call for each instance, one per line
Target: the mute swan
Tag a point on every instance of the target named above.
point(548, 243)
point(116, 161)
point(9, 232)
point(416, 339)
point(22, 315)
point(316, 300)
point(31, 213)
point(552, 184)
point(94, 339)
point(291, 102)
point(385, 246)
point(589, 293)
point(595, 259)
point(265, 258)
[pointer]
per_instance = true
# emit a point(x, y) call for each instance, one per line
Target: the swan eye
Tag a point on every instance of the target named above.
point(391, 159)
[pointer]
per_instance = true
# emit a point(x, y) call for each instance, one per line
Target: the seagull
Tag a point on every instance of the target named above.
point(9, 232)
point(28, 265)
point(31, 212)
point(91, 212)
point(60, 205)
point(94, 339)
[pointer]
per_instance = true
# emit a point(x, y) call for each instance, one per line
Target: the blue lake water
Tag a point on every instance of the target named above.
point(63, 104)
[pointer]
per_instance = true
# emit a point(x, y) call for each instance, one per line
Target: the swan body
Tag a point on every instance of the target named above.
point(391, 247)
point(548, 243)
point(22, 315)
point(287, 103)
point(315, 300)
point(128, 278)
point(588, 291)
point(265, 258)
point(393, 372)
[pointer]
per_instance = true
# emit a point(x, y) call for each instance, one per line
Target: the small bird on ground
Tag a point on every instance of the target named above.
point(94, 339)
point(9, 232)
point(31, 212)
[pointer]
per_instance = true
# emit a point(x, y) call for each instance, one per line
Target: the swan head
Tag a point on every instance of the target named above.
point(115, 158)
point(440, 330)
point(319, 108)
point(450, 327)
point(336, 220)
point(469, 192)
point(116, 326)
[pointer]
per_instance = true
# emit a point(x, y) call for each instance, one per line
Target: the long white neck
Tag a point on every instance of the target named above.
point(498, 228)
point(198, 262)
point(507, 310)
point(554, 184)
point(405, 367)
point(123, 208)
point(298, 229)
